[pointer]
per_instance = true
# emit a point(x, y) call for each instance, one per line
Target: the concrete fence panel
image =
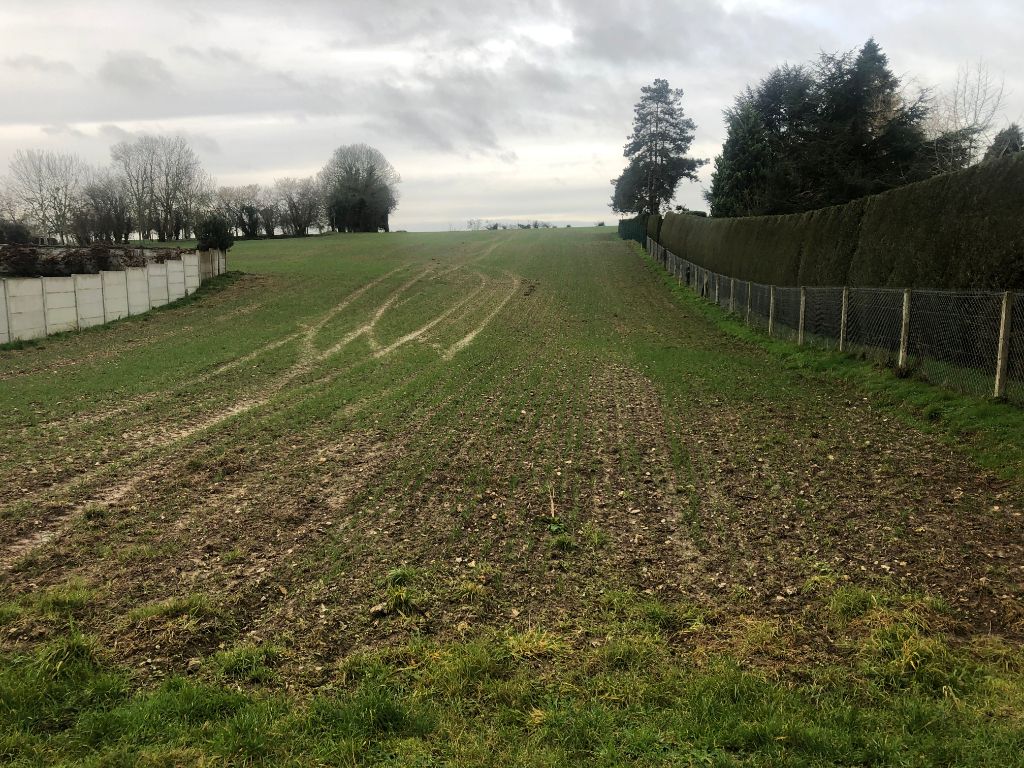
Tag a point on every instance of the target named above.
point(205, 265)
point(222, 262)
point(157, 276)
point(5, 335)
point(175, 279)
point(61, 304)
point(26, 309)
point(190, 261)
point(138, 290)
point(89, 290)
point(115, 295)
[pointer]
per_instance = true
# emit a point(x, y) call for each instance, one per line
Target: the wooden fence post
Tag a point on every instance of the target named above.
point(803, 308)
point(750, 287)
point(771, 309)
point(732, 294)
point(718, 282)
point(843, 315)
point(1003, 352)
point(901, 361)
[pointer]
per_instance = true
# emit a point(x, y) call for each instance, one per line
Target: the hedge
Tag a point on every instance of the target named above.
point(962, 230)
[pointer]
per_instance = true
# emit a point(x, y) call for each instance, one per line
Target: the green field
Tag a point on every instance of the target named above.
point(503, 498)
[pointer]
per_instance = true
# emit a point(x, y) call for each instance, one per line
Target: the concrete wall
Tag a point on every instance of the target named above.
point(138, 290)
point(175, 280)
point(157, 276)
point(60, 303)
point(26, 311)
point(89, 290)
point(33, 307)
point(206, 265)
point(115, 295)
point(5, 336)
point(190, 261)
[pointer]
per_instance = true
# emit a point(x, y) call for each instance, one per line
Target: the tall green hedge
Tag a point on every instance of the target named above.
point(960, 230)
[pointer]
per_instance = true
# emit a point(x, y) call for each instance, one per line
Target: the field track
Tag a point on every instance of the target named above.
point(522, 425)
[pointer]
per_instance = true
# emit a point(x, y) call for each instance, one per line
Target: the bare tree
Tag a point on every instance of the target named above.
point(300, 204)
point(197, 199)
point(104, 211)
point(240, 206)
point(963, 117)
point(165, 181)
point(135, 161)
point(176, 165)
point(48, 185)
point(269, 206)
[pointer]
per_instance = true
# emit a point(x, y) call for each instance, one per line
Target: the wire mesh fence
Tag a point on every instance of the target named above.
point(970, 341)
point(786, 323)
point(954, 337)
point(760, 305)
point(874, 322)
point(823, 317)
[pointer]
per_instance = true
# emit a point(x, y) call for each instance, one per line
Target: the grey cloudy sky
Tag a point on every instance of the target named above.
point(487, 109)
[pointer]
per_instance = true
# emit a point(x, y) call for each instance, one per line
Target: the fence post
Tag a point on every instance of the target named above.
point(750, 287)
point(803, 308)
point(771, 309)
point(732, 295)
point(901, 361)
point(718, 283)
point(1003, 353)
point(843, 314)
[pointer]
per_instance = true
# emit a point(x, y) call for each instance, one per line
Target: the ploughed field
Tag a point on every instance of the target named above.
point(487, 499)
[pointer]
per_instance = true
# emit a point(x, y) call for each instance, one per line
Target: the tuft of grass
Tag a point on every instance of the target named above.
point(249, 663)
point(900, 657)
point(851, 602)
point(535, 643)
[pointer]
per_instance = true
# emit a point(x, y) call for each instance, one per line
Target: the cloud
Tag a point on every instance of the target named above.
point(134, 71)
point(35, 63)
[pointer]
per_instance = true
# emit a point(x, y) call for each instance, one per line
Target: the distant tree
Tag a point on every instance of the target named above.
point(359, 188)
point(165, 181)
point(300, 205)
point(1008, 141)
point(962, 118)
point(104, 213)
point(214, 233)
point(48, 185)
point(14, 233)
point(269, 209)
point(656, 151)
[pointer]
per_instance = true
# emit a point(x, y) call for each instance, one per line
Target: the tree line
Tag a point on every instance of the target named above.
point(813, 135)
point(155, 187)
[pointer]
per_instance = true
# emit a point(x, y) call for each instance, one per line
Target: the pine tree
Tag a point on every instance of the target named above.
point(1007, 142)
point(656, 150)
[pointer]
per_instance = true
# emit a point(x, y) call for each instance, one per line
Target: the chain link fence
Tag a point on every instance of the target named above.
point(968, 341)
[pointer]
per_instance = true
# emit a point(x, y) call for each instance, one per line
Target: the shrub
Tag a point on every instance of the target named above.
point(213, 233)
point(14, 232)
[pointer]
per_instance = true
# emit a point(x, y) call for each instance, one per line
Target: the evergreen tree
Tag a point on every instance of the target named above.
point(808, 137)
point(656, 150)
point(1007, 142)
point(740, 184)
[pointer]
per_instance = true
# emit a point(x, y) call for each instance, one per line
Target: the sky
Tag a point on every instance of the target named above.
point(488, 110)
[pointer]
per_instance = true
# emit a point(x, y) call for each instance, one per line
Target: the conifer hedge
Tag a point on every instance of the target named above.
point(962, 230)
